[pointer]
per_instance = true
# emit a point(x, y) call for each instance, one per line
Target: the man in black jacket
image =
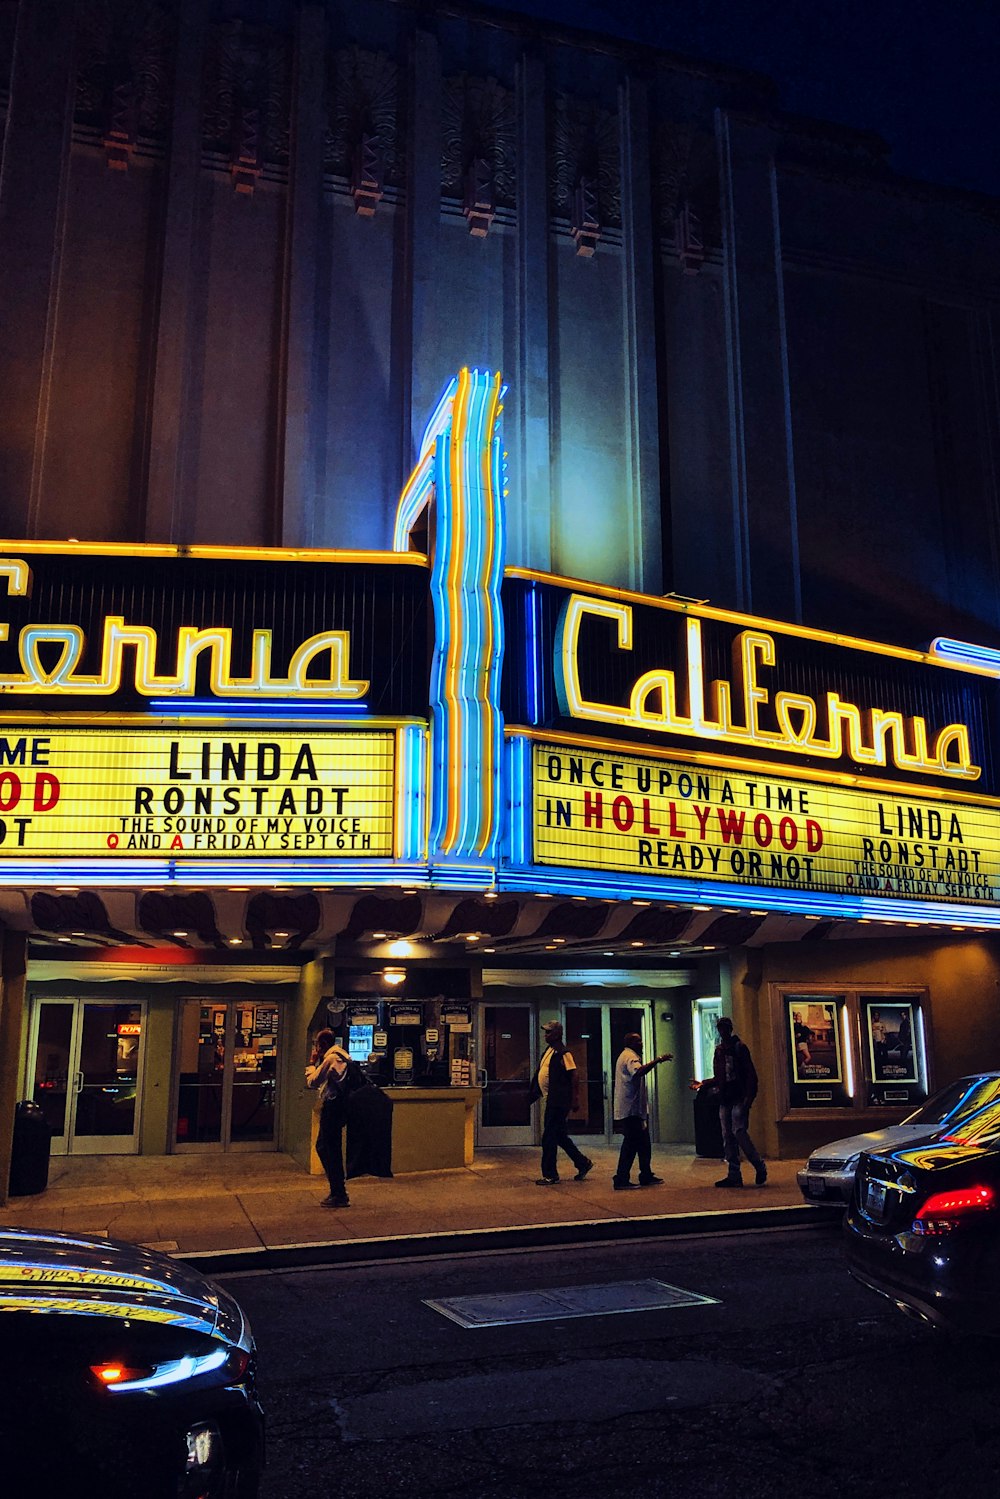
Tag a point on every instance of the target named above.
point(555, 1081)
point(735, 1080)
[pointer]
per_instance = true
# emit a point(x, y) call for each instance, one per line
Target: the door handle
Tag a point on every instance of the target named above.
point(77, 1083)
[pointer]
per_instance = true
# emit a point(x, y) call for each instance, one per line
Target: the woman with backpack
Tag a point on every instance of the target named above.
point(327, 1071)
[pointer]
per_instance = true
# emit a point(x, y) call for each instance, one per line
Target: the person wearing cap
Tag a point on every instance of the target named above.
point(632, 1113)
point(555, 1081)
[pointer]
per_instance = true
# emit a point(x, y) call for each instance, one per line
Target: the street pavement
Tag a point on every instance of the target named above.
point(792, 1381)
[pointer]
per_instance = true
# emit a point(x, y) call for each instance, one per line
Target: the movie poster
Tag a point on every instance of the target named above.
point(815, 1040)
point(889, 1025)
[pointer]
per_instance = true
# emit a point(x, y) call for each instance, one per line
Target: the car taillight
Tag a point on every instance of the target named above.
point(945, 1211)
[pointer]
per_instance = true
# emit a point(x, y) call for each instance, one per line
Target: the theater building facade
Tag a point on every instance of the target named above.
point(344, 680)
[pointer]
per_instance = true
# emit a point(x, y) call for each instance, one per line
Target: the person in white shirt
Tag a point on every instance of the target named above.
point(631, 1108)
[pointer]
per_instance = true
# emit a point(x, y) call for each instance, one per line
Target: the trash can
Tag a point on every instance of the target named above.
point(707, 1129)
point(29, 1158)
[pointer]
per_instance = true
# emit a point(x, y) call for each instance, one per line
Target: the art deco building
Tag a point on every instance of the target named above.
point(335, 692)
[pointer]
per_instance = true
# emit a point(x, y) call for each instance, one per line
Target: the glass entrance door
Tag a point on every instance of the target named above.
point(595, 1034)
point(85, 1058)
point(227, 1065)
point(507, 1033)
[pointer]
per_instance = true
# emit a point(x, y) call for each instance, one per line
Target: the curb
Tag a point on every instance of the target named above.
point(340, 1252)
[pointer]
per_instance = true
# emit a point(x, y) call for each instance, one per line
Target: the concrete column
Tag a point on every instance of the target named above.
point(765, 525)
point(169, 504)
point(297, 478)
point(33, 184)
point(13, 963)
point(530, 516)
point(423, 217)
point(642, 443)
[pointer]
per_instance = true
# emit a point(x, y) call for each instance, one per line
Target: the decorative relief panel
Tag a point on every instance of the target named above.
point(364, 138)
point(478, 153)
point(123, 74)
point(247, 100)
point(685, 181)
point(585, 169)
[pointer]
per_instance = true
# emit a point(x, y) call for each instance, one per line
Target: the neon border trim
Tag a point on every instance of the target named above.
point(460, 470)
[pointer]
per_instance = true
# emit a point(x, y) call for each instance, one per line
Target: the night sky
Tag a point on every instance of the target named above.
point(923, 74)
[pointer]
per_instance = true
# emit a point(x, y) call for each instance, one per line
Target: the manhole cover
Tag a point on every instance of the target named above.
point(567, 1301)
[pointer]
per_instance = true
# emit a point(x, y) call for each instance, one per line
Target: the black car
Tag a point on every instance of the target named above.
point(923, 1225)
point(126, 1374)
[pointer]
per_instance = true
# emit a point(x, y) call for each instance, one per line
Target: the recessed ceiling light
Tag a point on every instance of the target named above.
point(180, 934)
point(282, 934)
point(378, 936)
point(235, 941)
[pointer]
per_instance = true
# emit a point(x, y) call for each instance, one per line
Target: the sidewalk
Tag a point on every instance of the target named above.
point(239, 1211)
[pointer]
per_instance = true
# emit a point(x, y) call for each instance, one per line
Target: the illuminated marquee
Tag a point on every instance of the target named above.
point(263, 632)
point(672, 819)
point(184, 794)
point(682, 701)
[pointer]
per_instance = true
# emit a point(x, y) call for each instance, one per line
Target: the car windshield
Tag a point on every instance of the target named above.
point(967, 1096)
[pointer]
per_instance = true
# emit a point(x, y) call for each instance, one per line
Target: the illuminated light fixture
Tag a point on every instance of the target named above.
point(966, 654)
point(401, 949)
point(489, 949)
point(760, 913)
point(813, 918)
point(609, 955)
point(235, 941)
point(179, 934)
point(642, 903)
point(635, 944)
point(68, 889)
point(64, 939)
point(460, 468)
point(238, 889)
point(378, 936)
point(491, 895)
point(579, 897)
point(557, 940)
point(550, 947)
point(282, 934)
point(543, 895)
point(394, 975)
point(848, 1059)
point(701, 908)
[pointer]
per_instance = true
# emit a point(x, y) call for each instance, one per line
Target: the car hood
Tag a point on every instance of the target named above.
point(892, 1136)
point(78, 1275)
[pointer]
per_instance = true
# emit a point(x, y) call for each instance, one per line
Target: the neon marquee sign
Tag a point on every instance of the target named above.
point(683, 702)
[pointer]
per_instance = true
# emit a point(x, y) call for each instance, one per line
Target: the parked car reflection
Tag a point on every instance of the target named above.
point(828, 1175)
point(134, 1374)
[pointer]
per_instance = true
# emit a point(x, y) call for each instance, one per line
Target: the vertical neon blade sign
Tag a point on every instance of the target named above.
point(460, 470)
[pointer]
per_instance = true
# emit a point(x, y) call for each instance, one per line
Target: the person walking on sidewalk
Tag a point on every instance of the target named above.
point(735, 1080)
point(555, 1081)
point(631, 1109)
point(327, 1071)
